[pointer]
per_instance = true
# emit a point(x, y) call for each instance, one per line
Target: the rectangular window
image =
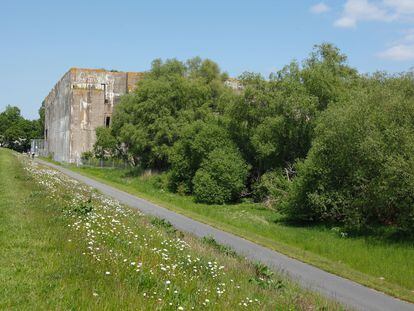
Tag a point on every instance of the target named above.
point(107, 121)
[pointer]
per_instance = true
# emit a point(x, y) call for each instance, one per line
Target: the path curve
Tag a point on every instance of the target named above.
point(343, 290)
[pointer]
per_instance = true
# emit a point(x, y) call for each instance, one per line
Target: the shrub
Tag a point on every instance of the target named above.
point(207, 190)
point(221, 177)
point(197, 141)
point(265, 277)
point(87, 155)
point(84, 207)
point(272, 188)
point(360, 169)
point(160, 181)
point(106, 144)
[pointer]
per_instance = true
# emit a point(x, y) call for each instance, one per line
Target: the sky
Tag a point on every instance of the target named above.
point(41, 40)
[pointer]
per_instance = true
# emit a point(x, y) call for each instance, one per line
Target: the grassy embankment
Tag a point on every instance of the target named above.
point(374, 261)
point(64, 246)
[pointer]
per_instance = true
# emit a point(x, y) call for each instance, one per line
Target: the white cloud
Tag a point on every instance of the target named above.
point(363, 10)
point(400, 52)
point(409, 36)
point(402, 7)
point(346, 22)
point(319, 8)
point(402, 49)
point(401, 11)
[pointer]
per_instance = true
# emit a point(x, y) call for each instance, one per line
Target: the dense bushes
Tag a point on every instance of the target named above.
point(272, 188)
point(197, 141)
point(221, 177)
point(272, 121)
point(316, 140)
point(360, 169)
point(205, 161)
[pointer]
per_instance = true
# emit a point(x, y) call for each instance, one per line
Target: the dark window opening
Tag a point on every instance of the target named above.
point(107, 121)
point(46, 134)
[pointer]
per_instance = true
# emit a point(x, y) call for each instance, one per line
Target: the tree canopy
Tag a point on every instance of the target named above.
point(16, 131)
point(360, 169)
point(317, 140)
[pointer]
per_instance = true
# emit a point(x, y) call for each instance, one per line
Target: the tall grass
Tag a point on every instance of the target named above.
point(375, 261)
point(65, 246)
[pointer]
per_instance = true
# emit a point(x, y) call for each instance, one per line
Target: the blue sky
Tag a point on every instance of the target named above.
point(41, 40)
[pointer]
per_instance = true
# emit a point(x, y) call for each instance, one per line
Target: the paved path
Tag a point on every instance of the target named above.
point(345, 291)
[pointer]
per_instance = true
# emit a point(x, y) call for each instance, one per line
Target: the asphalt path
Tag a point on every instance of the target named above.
point(347, 292)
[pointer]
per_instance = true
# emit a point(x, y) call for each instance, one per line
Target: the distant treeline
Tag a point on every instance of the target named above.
point(16, 132)
point(316, 140)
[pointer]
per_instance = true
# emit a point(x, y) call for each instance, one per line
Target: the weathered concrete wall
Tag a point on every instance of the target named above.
point(82, 101)
point(57, 119)
point(132, 80)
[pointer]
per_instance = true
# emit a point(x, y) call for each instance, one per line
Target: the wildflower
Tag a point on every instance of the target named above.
point(107, 273)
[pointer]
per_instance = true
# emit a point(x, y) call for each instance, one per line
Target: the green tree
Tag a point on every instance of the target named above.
point(15, 131)
point(360, 169)
point(9, 116)
point(196, 142)
point(326, 74)
point(171, 95)
point(272, 123)
point(106, 145)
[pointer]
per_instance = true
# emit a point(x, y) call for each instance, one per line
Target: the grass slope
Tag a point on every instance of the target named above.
point(378, 263)
point(65, 246)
